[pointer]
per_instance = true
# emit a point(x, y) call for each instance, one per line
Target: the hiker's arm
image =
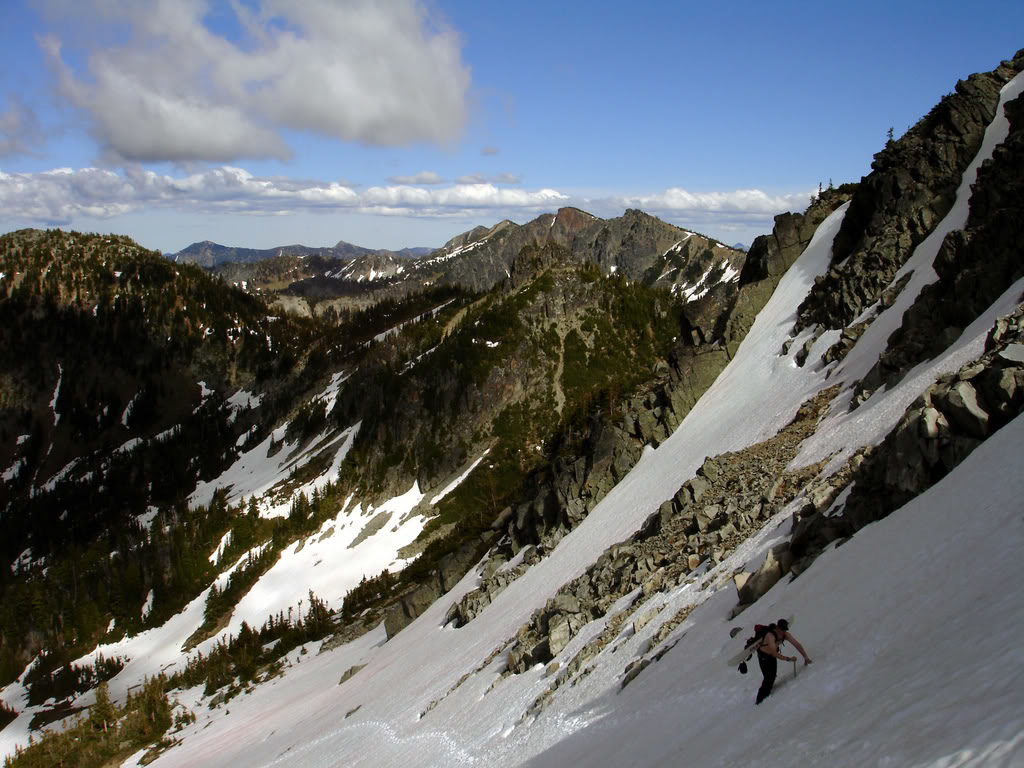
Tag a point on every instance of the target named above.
point(796, 644)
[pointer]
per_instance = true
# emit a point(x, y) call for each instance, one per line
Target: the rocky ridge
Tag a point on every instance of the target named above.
point(911, 187)
point(974, 265)
point(563, 499)
point(635, 245)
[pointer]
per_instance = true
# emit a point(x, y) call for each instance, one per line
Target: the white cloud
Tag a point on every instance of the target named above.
point(752, 202)
point(65, 196)
point(19, 129)
point(356, 70)
point(423, 177)
point(458, 199)
point(61, 195)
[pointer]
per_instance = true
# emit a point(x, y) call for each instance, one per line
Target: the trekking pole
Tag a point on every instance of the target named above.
point(794, 666)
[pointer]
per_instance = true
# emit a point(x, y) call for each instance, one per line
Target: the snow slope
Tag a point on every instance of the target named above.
point(914, 624)
point(917, 664)
point(872, 697)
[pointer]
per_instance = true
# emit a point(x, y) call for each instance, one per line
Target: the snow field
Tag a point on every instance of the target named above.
point(257, 473)
point(328, 563)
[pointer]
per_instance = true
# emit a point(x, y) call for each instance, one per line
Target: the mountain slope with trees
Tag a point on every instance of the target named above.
point(585, 479)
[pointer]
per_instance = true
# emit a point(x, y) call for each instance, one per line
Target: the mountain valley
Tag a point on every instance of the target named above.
point(502, 502)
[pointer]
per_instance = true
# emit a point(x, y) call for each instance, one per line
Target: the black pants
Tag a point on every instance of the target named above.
point(769, 668)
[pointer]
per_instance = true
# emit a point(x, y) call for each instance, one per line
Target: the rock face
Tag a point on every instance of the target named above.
point(911, 187)
point(974, 265)
point(771, 255)
point(730, 497)
point(574, 487)
point(635, 245)
point(562, 500)
point(449, 571)
point(942, 427)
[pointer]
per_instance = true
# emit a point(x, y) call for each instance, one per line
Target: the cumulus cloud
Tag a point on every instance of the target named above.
point(176, 90)
point(739, 215)
point(461, 197)
point(61, 195)
point(423, 177)
point(19, 129)
point(751, 202)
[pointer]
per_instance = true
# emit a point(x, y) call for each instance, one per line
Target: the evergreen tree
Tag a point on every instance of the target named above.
point(102, 714)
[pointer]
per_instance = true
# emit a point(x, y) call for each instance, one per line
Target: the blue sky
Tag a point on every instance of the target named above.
point(266, 122)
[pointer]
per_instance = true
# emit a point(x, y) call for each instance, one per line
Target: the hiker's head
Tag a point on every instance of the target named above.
point(783, 625)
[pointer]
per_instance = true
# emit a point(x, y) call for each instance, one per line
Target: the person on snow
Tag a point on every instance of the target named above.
point(768, 655)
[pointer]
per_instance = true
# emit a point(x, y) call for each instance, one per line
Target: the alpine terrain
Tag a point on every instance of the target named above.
point(515, 501)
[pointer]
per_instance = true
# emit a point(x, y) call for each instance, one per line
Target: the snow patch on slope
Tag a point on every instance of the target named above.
point(458, 481)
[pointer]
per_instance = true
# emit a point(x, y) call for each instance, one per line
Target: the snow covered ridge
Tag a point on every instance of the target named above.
point(696, 251)
point(726, 274)
point(262, 472)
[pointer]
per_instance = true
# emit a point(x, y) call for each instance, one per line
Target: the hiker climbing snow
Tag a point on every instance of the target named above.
point(768, 655)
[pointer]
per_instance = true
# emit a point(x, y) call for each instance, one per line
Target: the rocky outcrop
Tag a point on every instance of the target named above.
point(751, 586)
point(730, 497)
point(418, 598)
point(941, 428)
point(771, 255)
point(974, 265)
point(635, 245)
point(911, 187)
point(575, 486)
point(769, 258)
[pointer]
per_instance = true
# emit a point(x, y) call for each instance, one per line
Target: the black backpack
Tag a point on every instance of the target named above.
point(760, 630)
